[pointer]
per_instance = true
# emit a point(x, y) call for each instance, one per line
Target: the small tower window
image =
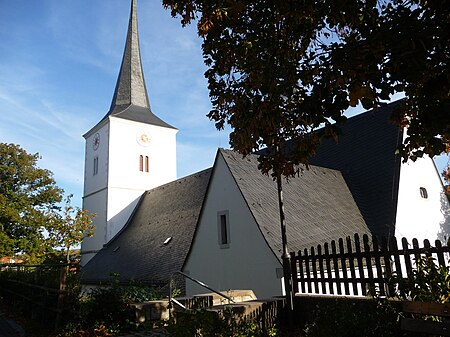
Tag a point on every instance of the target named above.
point(141, 163)
point(423, 192)
point(95, 166)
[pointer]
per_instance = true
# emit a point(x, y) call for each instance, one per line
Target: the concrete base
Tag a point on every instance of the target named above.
point(235, 295)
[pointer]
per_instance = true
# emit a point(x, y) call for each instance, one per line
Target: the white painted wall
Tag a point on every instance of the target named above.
point(95, 203)
point(95, 189)
point(126, 182)
point(125, 150)
point(418, 217)
point(95, 183)
point(114, 192)
point(248, 263)
point(121, 203)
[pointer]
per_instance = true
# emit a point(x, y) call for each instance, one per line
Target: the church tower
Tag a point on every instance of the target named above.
point(128, 152)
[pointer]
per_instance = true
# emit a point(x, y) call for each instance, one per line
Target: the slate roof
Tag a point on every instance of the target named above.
point(365, 155)
point(318, 204)
point(138, 251)
point(130, 100)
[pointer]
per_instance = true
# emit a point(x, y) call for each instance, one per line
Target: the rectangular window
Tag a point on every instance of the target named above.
point(223, 229)
point(95, 166)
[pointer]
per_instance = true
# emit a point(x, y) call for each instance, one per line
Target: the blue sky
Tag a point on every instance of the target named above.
point(59, 61)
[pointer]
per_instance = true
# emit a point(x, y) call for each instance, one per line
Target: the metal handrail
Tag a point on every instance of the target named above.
point(199, 283)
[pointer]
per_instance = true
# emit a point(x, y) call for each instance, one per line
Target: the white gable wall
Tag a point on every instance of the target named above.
point(418, 217)
point(248, 262)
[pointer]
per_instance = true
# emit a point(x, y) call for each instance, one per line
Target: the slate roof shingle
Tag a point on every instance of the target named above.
point(318, 204)
point(353, 191)
point(365, 155)
point(137, 252)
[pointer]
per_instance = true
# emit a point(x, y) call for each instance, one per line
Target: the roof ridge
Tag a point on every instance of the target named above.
point(382, 107)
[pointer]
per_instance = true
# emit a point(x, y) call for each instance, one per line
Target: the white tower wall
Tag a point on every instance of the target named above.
point(130, 151)
point(124, 173)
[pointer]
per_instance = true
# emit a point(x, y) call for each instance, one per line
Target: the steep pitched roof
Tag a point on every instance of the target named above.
point(365, 155)
point(318, 205)
point(138, 252)
point(130, 100)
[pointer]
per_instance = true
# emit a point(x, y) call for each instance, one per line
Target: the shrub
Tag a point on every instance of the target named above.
point(350, 318)
point(107, 310)
point(429, 283)
point(203, 323)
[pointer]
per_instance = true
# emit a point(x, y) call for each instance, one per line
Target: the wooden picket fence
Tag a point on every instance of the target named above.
point(354, 268)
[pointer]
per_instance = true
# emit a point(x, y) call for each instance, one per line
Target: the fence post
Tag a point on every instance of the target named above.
point(294, 273)
point(377, 256)
point(407, 257)
point(336, 267)
point(368, 259)
point(321, 271)
point(61, 294)
point(387, 266)
point(440, 253)
point(301, 272)
point(328, 266)
point(344, 265)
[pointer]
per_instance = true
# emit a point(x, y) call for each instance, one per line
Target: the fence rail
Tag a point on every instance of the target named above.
point(354, 268)
point(43, 287)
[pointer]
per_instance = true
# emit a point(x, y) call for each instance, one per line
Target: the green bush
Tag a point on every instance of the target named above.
point(204, 323)
point(353, 318)
point(106, 309)
point(430, 283)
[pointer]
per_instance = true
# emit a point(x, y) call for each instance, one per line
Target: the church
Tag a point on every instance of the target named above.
point(221, 225)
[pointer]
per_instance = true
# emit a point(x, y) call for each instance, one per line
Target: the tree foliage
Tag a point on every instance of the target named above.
point(279, 70)
point(27, 194)
point(68, 228)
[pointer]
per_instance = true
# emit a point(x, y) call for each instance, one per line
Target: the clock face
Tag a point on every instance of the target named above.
point(143, 139)
point(96, 141)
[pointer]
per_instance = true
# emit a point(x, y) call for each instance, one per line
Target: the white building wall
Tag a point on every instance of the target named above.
point(419, 217)
point(95, 188)
point(114, 191)
point(121, 203)
point(94, 183)
point(248, 262)
point(126, 181)
point(95, 203)
point(126, 147)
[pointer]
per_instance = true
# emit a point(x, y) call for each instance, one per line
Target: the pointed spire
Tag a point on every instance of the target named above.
point(130, 100)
